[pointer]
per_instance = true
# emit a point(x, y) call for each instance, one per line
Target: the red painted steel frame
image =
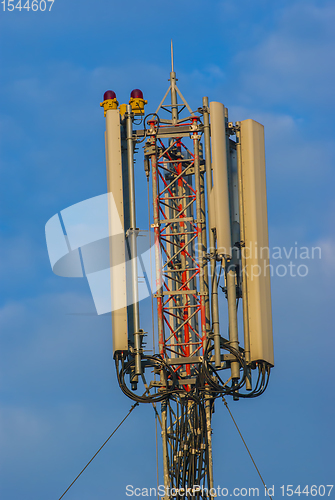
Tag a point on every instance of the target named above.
point(178, 306)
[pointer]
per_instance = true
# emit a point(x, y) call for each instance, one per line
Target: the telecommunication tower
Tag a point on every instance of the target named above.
point(210, 233)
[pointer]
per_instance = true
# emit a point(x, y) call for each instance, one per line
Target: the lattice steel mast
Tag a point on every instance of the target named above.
point(206, 211)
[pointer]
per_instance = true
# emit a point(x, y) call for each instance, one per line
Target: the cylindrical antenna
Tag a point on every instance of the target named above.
point(174, 106)
point(172, 56)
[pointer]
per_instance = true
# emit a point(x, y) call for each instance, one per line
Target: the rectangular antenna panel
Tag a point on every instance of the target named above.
point(257, 273)
point(116, 228)
point(220, 178)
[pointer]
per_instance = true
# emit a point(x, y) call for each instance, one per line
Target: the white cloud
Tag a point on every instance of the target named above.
point(292, 62)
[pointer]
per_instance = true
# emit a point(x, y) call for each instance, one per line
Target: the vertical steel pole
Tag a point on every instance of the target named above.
point(173, 79)
point(214, 288)
point(208, 403)
point(230, 269)
point(155, 191)
point(204, 242)
point(132, 241)
point(232, 315)
point(165, 451)
point(208, 399)
point(200, 229)
point(230, 181)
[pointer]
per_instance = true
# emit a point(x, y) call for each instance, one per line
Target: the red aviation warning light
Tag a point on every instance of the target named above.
point(136, 94)
point(109, 94)
point(109, 101)
point(137, 102)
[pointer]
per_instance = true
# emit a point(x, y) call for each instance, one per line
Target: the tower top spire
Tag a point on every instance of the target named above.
point(172, 65)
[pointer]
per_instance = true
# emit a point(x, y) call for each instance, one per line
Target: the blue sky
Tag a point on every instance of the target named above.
point(271, 61)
